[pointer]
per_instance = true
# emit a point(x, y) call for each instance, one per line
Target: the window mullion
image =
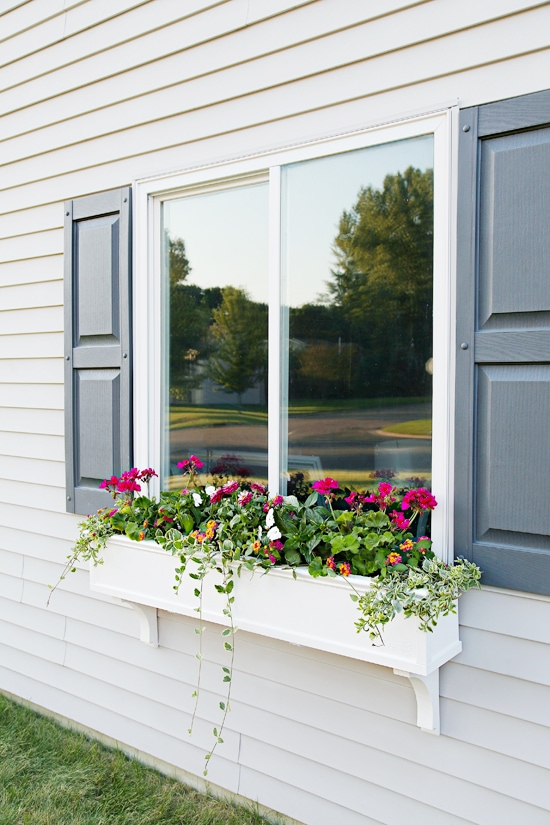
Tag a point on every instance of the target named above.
point(276, 406)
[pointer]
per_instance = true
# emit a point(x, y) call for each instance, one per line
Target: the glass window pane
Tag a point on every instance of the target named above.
point(215, 287)
point(357, 251)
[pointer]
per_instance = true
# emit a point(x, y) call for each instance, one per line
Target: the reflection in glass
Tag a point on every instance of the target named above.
point(215, 286)
point(358, 280)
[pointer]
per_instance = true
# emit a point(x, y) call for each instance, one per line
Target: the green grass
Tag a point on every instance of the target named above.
point(183, 417)
point(421, 427)
point(53, 776)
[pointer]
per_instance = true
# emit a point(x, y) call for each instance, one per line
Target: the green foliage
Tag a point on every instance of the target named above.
point(239, 333)
point(427, 592)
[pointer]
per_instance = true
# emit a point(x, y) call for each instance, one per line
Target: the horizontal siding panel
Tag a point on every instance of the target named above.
point(372, 731)
point(28, 296)
point(192, 47)
point(63, 24)
point(11, 564)
point(15, 468)
point(35, 245)
point(96, 611)
point(337, 787)
point(310, 671)
point(31, 641)
point(48, 422)
point(42, 495)
point(179, 53)
point(493, 691)
point(347, 720)
point(519, 658)
point(161, 660)
point(32, 396)
point(29, 370)
point(30, 346)
point(58, 525)
point(173, 702)
point(31, 618)
point(514, 76)
point(90, 703)
point(48, 319)
point(145, 689)
point(16, 16)
point(17, 540)
point(296, 803)
point(105, 35)
point(282, 95)
point(525, 617)
point(234, 116)
point(31, 270)
point(31, 220)
point(11, 587)
point(494, 731)
point(47, 447)
point(447, 795)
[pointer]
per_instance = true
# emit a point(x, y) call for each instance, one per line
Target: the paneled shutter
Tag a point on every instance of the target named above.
point(98, 392)
point(502, 512)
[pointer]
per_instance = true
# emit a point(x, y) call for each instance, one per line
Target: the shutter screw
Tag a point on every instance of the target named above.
point(69, 498)
point(67, 358)
point(466, 128)
point(67, 213)
point(125, 355)
point(464, 346)
point(125, 200)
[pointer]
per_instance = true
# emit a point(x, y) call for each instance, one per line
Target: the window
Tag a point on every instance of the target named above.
point(289, 308)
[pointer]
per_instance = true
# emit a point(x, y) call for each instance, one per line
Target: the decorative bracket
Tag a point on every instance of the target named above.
point(426, 689)
point(148, 623)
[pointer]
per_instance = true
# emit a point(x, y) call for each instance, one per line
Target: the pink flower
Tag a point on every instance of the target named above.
point(399, 520)
point(393, 559)
point(230, 487)
point(351, 498)
point(383, 498)
point(419, 500)
point(108, 482)
point(331, 563)
point(325, 486)
point(258, 488)
point(344, 569)
point(244, 498)
point(191, 464)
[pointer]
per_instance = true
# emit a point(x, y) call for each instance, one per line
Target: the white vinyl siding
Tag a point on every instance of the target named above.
point(95, 95)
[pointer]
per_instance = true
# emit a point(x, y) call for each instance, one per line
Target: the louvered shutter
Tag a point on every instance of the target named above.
point(503, 342)
point(98, 392)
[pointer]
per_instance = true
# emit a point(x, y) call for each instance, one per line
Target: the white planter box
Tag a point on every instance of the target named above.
point(316, 613)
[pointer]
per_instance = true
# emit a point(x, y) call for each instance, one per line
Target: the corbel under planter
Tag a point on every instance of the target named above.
point(316, 613)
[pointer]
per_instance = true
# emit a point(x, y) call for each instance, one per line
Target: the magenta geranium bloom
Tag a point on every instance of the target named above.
point(325, 486)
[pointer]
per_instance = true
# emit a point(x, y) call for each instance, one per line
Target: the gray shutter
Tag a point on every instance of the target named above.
point(502, 514)
point(98, 393)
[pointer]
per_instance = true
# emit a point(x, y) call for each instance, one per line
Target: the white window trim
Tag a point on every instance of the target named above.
point(147, 322)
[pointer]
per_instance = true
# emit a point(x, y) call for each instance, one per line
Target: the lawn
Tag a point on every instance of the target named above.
point(52, 776)
point(421, 428)
point(185, 416)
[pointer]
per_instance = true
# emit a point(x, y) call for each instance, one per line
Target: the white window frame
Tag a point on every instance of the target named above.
point(149, 195)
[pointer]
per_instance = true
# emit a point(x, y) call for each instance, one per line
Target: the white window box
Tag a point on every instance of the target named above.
point(316, 613)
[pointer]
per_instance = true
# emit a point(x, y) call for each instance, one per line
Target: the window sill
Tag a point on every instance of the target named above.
point(315, 613)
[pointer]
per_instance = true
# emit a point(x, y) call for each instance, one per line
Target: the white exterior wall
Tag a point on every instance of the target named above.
point(95, 95)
